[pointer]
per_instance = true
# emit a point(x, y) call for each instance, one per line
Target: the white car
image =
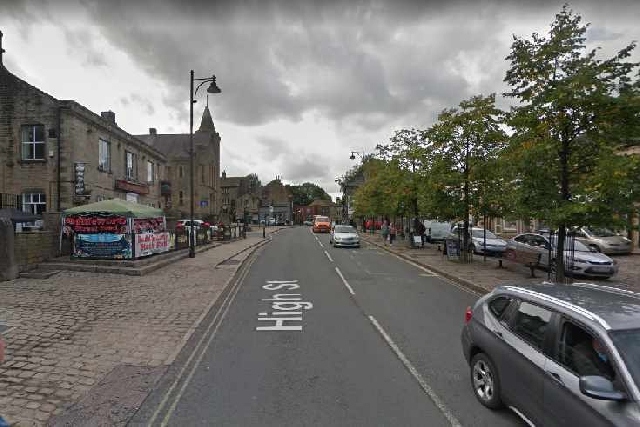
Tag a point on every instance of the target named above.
point(344, 235)
point(482, 241)
point(578, 259)
point(198, 223)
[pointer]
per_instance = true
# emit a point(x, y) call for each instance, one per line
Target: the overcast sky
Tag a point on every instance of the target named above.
point(303, 83)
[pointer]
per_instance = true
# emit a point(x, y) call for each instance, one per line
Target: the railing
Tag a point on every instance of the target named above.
point(10, 201)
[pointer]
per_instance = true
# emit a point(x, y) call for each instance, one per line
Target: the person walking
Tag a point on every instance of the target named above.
point(420, 231)
point(392, 234)
point(384, 231)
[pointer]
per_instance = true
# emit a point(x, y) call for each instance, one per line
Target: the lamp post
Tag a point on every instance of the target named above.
point(213, 88)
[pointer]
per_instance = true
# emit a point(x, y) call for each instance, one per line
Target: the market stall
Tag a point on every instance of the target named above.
point(115, 229)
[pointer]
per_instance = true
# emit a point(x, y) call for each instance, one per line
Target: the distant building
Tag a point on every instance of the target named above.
point(176, 188)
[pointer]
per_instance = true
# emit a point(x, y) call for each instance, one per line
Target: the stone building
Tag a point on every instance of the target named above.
point(176, 188)
point(240, 197)
point(276, 202)
point(57, 154)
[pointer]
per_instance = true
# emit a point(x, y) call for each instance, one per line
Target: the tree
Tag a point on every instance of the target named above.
point(406, 152)
point(465, 143)
point(306, 193)
point(574, 112)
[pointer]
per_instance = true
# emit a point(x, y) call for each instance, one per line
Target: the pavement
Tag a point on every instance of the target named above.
point(68, 332)
point(483, 274)
point(76, 331)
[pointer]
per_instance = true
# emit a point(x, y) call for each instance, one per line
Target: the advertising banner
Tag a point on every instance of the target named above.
point(151, 243)
point(102, 245)
point(96, 223)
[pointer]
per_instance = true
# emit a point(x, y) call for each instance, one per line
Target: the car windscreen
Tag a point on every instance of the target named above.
point(344, 229)
point(628, 344)
point(480, 234)
point(600, 232)
point(322, 219)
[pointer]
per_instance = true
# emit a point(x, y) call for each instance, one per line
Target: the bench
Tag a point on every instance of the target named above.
point(529, 258)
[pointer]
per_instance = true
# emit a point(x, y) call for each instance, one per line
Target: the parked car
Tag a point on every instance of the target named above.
point(186, 224)
point(579, 259)
point(481, 241)
point(557, 354)
point(308, 222)
point(603, 240)
point(344, 235)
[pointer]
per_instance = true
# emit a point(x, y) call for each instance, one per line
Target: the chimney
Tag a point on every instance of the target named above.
point(153, 131)
point(109, 116)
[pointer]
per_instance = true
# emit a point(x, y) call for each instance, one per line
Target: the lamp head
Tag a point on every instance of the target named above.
point(213, 87)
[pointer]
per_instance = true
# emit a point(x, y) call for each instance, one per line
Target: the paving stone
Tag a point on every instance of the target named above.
point(32, 405)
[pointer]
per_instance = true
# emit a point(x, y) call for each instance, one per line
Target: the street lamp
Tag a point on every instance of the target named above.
point(213, 88)
point(353, 155)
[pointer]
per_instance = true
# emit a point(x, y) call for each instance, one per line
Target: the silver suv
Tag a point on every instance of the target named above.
point(557, 355)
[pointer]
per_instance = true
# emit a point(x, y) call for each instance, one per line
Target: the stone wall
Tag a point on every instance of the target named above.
point(34, 247)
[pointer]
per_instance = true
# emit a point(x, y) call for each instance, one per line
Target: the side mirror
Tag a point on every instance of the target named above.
point(592, 249)
point(600, 388)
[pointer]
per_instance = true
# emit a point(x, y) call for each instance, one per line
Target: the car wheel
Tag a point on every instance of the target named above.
point(485, 381)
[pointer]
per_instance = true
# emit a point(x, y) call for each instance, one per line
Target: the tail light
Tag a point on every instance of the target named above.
point(468, 314)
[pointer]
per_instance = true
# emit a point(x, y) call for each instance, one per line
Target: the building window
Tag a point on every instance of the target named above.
point(33, 144)
point(35, 203)
point(132, 172)
point(104, 155)
point(150, 174)
point(180, 171)
point(181, 198)
point(202, 174)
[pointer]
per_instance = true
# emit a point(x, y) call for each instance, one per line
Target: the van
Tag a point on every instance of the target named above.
point(436, 231)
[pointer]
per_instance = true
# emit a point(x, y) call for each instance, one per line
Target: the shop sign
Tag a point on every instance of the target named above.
point(96, 223)
point(151, 243)
point(131, 187)
point(79, 168)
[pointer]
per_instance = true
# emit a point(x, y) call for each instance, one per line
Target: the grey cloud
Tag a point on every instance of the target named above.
point(602, 34)
point(299, 170)
point(82, 43)
point(271, 148)
point(136, 98)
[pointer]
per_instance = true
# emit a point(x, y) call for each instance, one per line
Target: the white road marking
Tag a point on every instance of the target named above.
point(433, 273)
point(414, 372)
point(345, 281)
point(328, 256)
point(521, 415)
point(230, 297)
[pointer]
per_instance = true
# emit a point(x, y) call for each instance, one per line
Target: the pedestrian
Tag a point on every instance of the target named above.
point(420, 231)
point(384, 230)
point(392, 234)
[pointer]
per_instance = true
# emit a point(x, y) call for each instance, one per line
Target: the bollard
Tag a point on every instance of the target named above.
point(263, 231)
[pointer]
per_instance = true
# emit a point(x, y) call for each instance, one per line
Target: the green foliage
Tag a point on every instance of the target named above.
point(465, 173)
point(305, 194)
point(575, 111)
